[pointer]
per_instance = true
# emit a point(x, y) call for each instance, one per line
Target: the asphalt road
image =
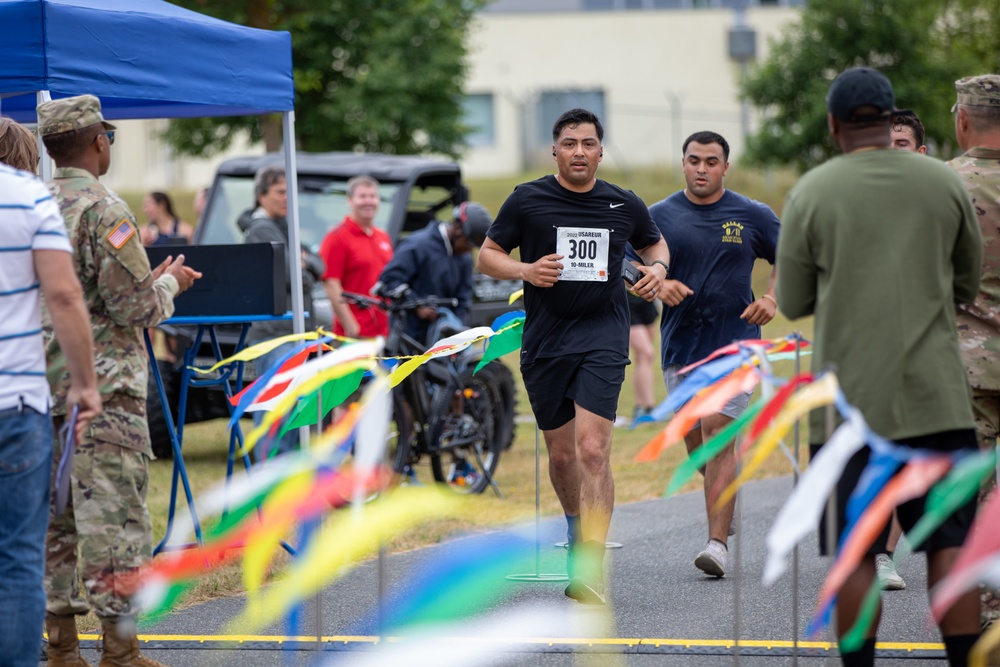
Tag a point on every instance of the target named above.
point(662, 611)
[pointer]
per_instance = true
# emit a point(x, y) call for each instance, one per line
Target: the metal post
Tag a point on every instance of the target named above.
point(831, 527)
point(795, 550)
point(319, 521)
point(537, 575)
point(45, 162)
point(675, 100)
point(293, 258)
point(737, 572)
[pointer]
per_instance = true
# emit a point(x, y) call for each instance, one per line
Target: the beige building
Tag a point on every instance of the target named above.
point(655, 71)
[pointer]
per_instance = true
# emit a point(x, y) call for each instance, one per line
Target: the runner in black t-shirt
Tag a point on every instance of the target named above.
point(572, 230)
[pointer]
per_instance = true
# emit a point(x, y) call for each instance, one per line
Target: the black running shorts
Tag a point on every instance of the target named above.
point(641, 311)
point(591, 380)
point(951, 533)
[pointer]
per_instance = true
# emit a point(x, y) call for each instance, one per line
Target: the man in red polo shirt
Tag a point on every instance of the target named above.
point(355, 254)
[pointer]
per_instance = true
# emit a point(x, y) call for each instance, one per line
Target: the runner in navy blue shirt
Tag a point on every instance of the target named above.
point(715, 237)
point(572, 230)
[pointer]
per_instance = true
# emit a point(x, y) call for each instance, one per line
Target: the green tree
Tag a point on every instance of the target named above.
point(970, 34)
point(369, 75)
point(923, 47)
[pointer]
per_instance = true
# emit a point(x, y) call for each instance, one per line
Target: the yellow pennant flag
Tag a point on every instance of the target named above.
point(346, 538)
point(443, 348)
point(254, 351)
point(275, 520)
point(814, 395)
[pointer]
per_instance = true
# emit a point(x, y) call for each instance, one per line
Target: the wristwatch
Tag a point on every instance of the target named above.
point(666, 267)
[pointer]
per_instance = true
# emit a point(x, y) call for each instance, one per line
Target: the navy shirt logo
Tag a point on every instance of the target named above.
point(732, 232)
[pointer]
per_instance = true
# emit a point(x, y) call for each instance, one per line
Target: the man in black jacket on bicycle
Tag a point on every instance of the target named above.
point(437, 261)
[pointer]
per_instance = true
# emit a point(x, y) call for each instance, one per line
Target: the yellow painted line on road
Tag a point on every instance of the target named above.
point(549, 641)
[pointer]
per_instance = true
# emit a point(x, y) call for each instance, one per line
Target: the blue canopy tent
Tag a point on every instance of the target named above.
point(149, 59)
point(143, 58)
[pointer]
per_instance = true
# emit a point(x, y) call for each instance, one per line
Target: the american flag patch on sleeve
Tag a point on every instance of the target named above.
point(122, 232)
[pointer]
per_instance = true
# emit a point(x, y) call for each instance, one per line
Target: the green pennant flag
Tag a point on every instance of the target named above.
point(506, 340)
point(959, 487)
point(175, 592)
point(334, 392)
point(710, 449)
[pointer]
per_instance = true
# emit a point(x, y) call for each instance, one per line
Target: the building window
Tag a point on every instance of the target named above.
point(477, 115)
point(553, 103)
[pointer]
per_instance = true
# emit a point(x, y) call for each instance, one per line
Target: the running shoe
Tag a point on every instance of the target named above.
point(885, 568)
point(712, 559)
point(586, 592)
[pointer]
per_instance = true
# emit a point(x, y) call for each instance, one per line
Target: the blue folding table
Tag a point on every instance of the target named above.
point(229, 384)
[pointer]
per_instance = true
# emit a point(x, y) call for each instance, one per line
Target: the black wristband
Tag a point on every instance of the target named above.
point(666, 267)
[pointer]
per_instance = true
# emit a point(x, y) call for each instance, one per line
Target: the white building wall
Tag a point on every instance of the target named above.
point(664, 74)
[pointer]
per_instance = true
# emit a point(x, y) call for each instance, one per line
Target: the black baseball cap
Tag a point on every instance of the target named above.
point(859, 87)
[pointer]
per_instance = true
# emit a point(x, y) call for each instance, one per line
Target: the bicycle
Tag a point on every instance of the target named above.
point(460, 420)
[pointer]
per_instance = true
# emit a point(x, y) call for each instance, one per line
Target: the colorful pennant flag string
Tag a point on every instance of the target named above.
point(801, 512)
point(822, 391)
point(958, 488)
point(913, 480)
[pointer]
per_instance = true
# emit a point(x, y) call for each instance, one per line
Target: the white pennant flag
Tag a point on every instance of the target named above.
point(801, 512)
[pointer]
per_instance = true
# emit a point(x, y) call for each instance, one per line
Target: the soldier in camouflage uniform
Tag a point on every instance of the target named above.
point(105, 529)
point(977, 128)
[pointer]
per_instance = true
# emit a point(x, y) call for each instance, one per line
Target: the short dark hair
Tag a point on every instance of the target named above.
point(908, 118)
point(264, 179)
point(575, 117)
point(163, 199)
point(983, 118)
point(705, 137)
point(70, 145)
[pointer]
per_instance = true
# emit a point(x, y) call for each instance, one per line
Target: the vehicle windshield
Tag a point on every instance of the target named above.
point(322, 206)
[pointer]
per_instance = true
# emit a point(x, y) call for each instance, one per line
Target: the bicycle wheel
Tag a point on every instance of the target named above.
point(497, 374)
point(464, 435)
point(399, 444)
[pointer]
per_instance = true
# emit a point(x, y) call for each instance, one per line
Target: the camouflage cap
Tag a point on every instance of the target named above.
point(70, 113)
point(980, 91)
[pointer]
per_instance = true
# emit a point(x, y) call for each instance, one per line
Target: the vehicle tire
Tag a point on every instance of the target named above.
point(159, 436)
point(503, 380)
point(463, 431)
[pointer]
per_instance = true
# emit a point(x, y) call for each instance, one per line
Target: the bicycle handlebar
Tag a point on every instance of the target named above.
point(403, 304)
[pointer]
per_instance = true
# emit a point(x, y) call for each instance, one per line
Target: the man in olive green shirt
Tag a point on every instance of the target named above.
point(879, 244)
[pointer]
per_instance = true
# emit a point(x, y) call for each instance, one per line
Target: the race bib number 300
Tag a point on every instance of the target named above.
point(585, 253)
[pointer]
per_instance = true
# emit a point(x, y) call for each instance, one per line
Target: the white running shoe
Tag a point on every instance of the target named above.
point(712, 559)
point(885, 569)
